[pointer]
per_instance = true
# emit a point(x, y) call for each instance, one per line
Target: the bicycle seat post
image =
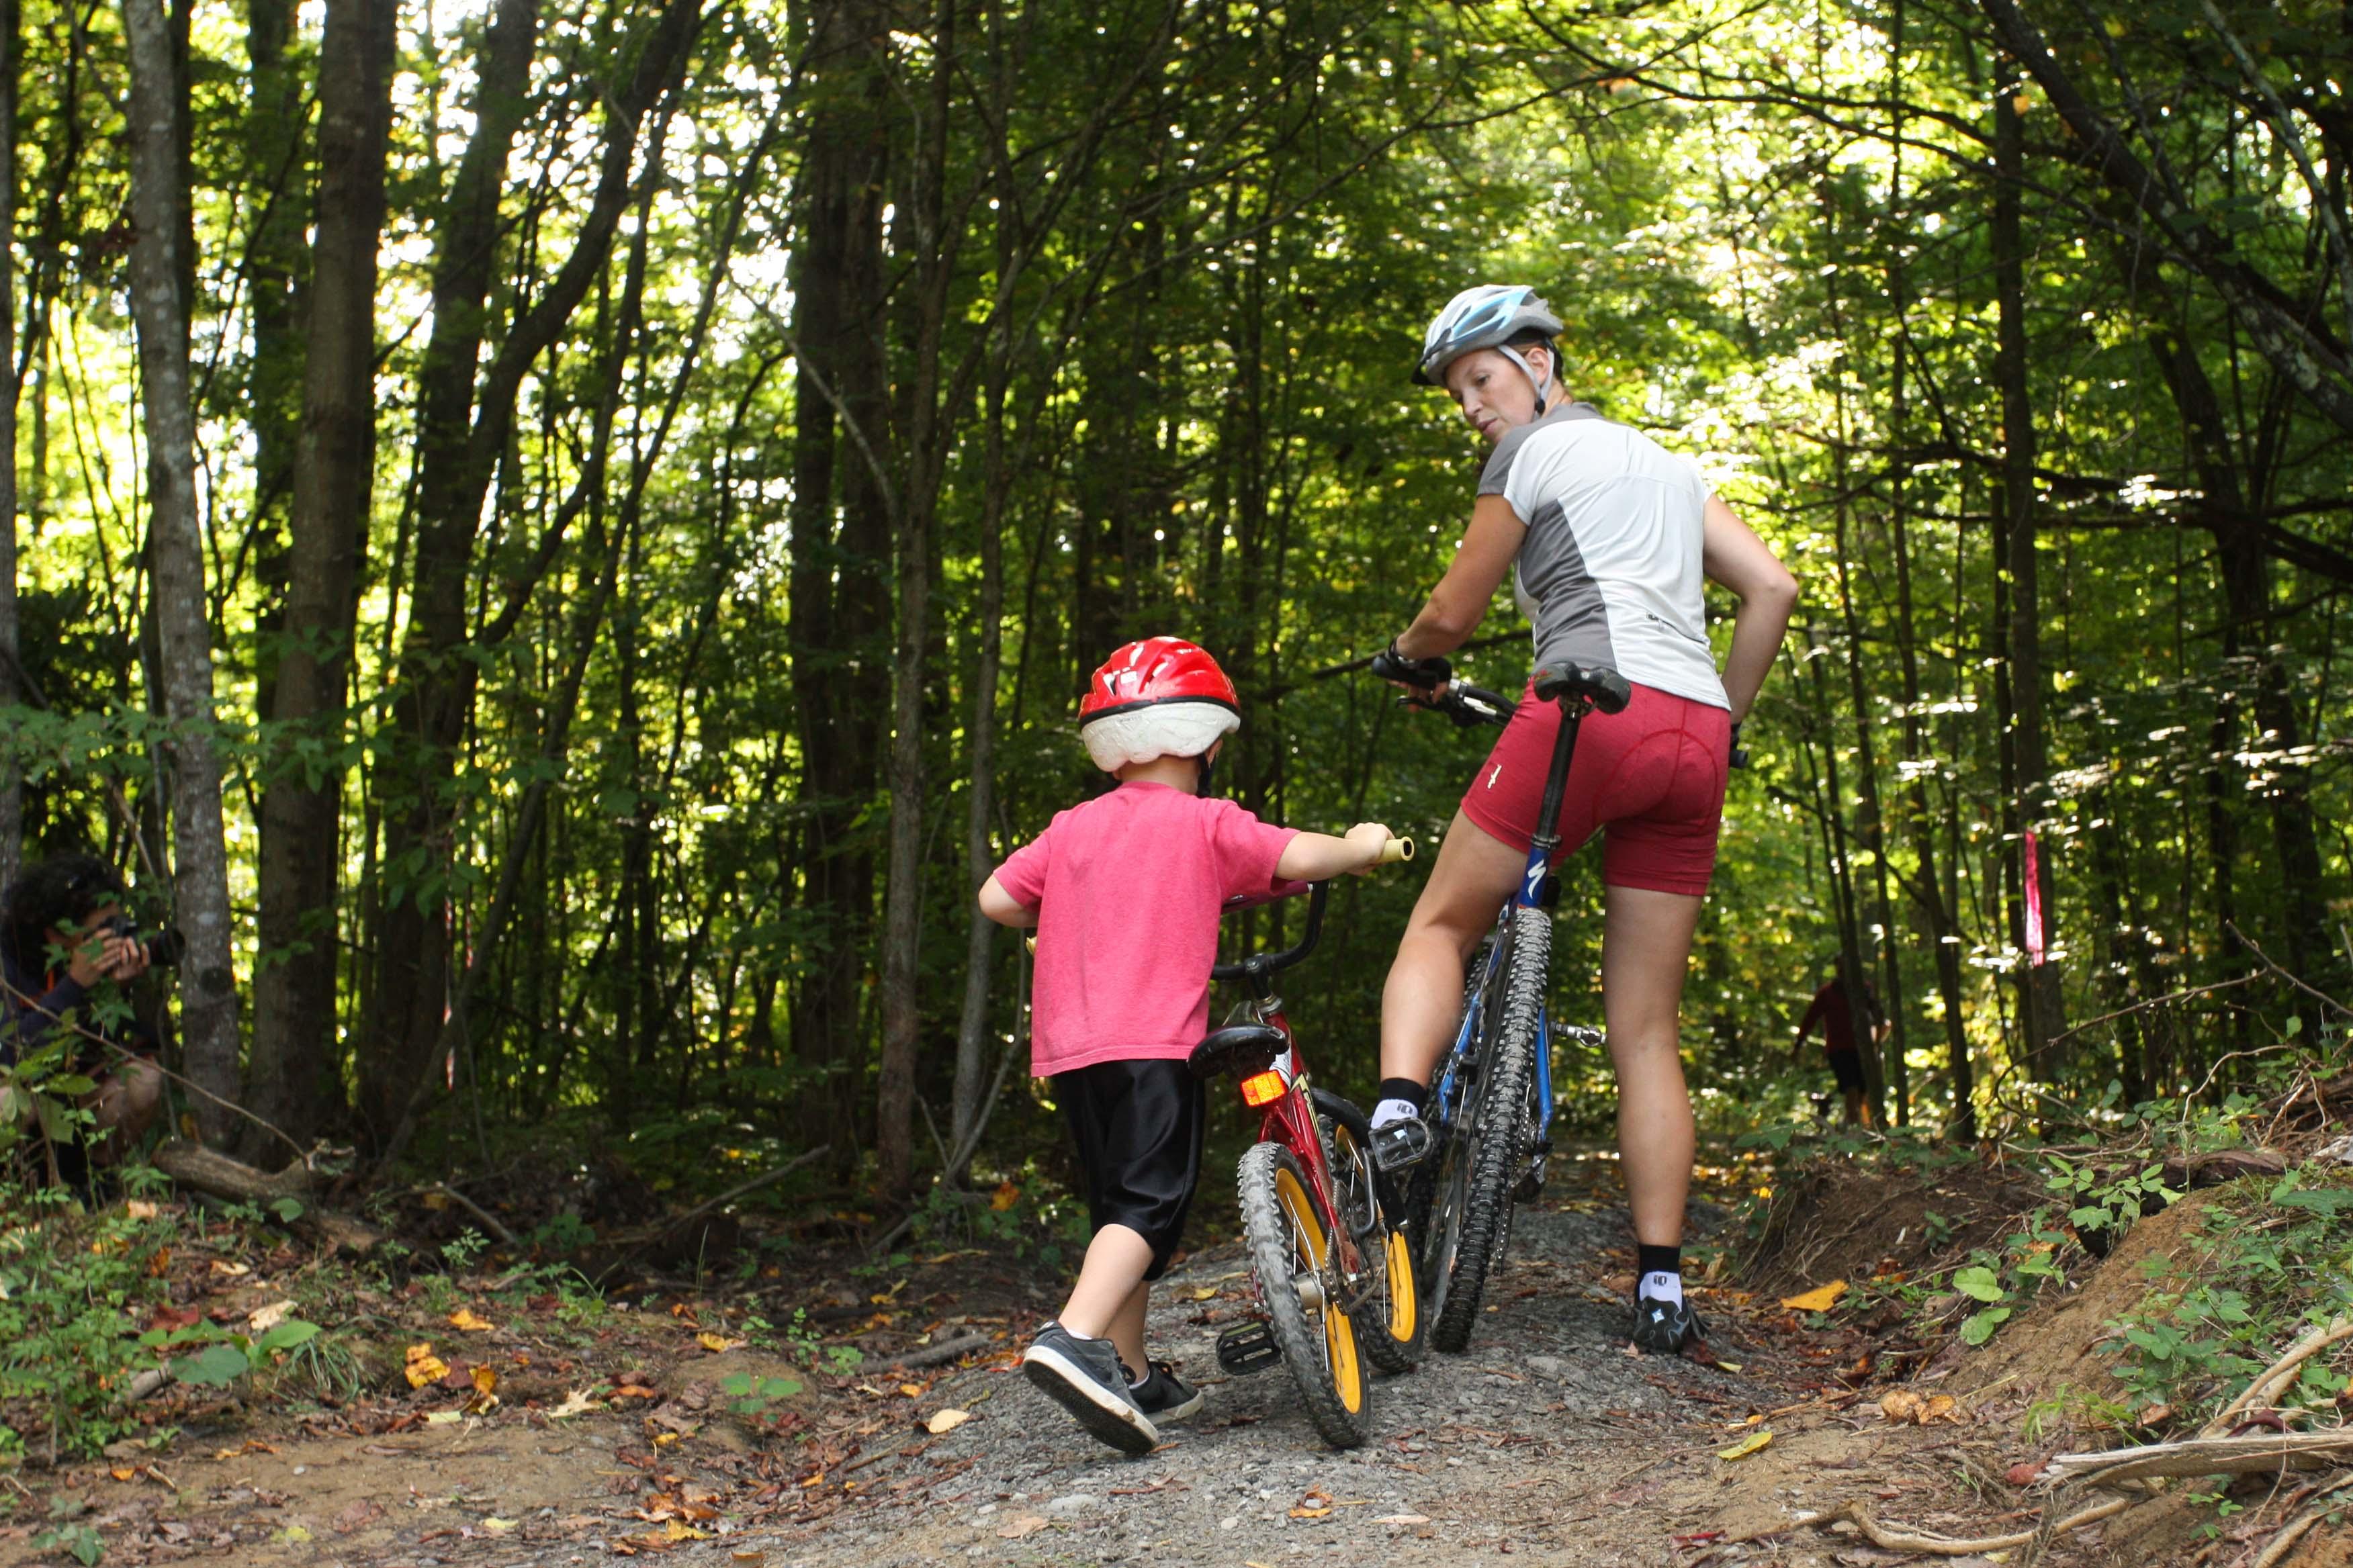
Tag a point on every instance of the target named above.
point(1546, 838)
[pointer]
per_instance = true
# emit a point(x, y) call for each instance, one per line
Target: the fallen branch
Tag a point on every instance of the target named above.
point(2274, 1378)
point(1900, 1540)
point(740, 1190)
point(499, 1232)
point(2204, 1457)
point(955, 1348)
point(211, 1172)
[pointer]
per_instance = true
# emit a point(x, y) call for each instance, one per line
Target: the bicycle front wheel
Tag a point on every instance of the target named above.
point(1291, 1253)
point(1470, 1219)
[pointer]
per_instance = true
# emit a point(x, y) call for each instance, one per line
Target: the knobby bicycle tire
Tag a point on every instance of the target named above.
point(1498, 1132)
point(1320, 1347)
point(1388, 1319)
point(1423, 1220)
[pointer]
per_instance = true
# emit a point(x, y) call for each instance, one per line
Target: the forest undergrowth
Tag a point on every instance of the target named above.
point(2130, 1278)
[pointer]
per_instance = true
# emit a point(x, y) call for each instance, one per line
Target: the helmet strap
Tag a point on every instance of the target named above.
point(1202, 765)
point(1527, 370)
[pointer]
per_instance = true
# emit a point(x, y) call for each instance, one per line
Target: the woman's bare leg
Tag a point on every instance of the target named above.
point(1473, 875)
point(1645, 950)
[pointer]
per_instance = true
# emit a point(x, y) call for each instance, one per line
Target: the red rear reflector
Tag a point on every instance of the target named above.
point(1264, 1089)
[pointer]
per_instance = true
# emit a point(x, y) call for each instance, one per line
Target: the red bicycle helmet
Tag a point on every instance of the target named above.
point(1160, 697)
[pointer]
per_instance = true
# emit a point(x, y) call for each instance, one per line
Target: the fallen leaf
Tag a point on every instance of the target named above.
point(664, 1439)
point(1728, 1366)
point(1310, 1513)
point(717, 1343)
point(234, 1271)
point(358, 1515)
point(1403, 1519)
point(635, 1390)
point(499, 1526)
point(423, 1366)
point(264, 1318)
point(1761, 1439)
point(473, 1322)
point(575, 1402)
point(294, 1535)
point(1204, 1293)
point(1902, 1405)
point(912, 1390)
point(1023, 1524)
point(676, 1532)
point(1817, 1301)
point(140, 1208)
point(1006, 1195)
point(2023, 1474)
point(946, 1420)
point(122, 1475)
point(444, 1417)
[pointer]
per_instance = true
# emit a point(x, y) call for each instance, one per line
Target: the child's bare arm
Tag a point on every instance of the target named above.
point(1313, 857)
point(1000, 906)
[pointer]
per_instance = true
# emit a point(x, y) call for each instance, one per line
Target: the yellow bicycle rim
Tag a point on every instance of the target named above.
point(1339, 1333)
point(1405, 1301)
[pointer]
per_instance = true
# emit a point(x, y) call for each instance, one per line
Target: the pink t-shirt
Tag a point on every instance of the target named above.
point(1128, 887)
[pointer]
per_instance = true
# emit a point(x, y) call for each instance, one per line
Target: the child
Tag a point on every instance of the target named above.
point(1126, 890)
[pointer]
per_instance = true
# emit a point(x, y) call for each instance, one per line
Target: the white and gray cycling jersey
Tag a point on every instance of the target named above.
point(1610, 570)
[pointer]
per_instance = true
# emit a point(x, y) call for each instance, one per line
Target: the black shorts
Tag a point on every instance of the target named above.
point(1138, 1127)
point(1847, 1067)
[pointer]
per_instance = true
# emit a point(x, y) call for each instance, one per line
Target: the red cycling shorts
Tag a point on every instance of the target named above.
point(1651, 777)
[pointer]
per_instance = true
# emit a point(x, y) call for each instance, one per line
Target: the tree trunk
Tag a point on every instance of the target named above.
point(160, 306)
point(461, 433)
point(2040, 1008)
point(840, 607)
point(12, 786)
point(273, 257)
point(972, 1027)
point(288, 1081)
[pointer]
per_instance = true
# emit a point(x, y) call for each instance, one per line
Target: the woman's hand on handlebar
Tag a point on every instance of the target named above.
point(1422, 679)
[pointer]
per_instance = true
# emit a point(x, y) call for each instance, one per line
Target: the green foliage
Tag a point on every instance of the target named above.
point(69, 1533)
point(752, 1395)
point(73, 1287)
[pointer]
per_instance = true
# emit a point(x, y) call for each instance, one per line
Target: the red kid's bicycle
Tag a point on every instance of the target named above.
point(1335, 1279)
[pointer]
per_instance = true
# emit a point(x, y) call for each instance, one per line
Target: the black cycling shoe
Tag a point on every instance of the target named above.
point(1666, 1327)
point(1399, 1145)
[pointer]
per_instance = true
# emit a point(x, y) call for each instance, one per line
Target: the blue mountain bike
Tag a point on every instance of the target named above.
point(1490, 1101)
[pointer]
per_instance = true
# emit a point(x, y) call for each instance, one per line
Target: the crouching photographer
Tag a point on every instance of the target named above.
point(68, 953)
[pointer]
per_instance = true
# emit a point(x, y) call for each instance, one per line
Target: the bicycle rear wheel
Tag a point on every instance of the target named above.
point(1292, 1254)
point(1471, 1215)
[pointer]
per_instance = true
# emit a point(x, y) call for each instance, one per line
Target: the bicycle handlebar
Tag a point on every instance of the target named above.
point(1468, 705)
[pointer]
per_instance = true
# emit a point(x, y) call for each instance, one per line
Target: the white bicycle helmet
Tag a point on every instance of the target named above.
point(1489, 316)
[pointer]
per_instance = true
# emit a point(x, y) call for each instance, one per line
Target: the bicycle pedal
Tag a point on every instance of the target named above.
point(1246, 1348)
point(1529, 1186)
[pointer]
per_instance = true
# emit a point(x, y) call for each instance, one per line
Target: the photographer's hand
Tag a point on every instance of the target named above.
point(126, 959)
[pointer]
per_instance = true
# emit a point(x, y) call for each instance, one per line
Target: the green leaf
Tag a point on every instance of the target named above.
point(214, 1366)
point(288, 1210)
point(1978, 1327)
point(285, 1336)
point(1979, 1284)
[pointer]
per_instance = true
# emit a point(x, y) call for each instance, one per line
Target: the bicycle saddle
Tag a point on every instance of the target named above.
point(1605, 689)
point(1238, 1048)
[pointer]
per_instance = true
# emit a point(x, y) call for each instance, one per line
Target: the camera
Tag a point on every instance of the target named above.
point(163, 948)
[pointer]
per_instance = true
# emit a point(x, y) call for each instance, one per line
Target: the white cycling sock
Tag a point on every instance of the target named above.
point(1660, 1286)
point(1389, 1110)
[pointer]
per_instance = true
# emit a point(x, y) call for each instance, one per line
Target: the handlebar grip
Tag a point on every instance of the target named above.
point(1395, 850)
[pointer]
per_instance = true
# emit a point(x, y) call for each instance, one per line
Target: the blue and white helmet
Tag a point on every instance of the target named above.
point(1486, 317)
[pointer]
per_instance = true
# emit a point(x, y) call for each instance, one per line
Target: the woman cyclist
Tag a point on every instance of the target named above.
point(1608, 536)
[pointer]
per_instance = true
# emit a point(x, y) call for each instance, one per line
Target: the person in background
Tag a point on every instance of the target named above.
point(1839, 1011)
point(64, 939)
point(1126, 890)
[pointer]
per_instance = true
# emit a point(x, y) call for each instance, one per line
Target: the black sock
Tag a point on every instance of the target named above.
point(1649, 1259)
point(1414, 1094)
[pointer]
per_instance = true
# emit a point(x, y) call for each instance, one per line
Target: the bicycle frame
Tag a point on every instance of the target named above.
point(1538, 889)
point(1289, 1116)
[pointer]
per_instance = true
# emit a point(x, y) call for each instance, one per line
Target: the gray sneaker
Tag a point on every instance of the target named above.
point(1666, 1327)
point(1085, 1378)
point(1163, 1395)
